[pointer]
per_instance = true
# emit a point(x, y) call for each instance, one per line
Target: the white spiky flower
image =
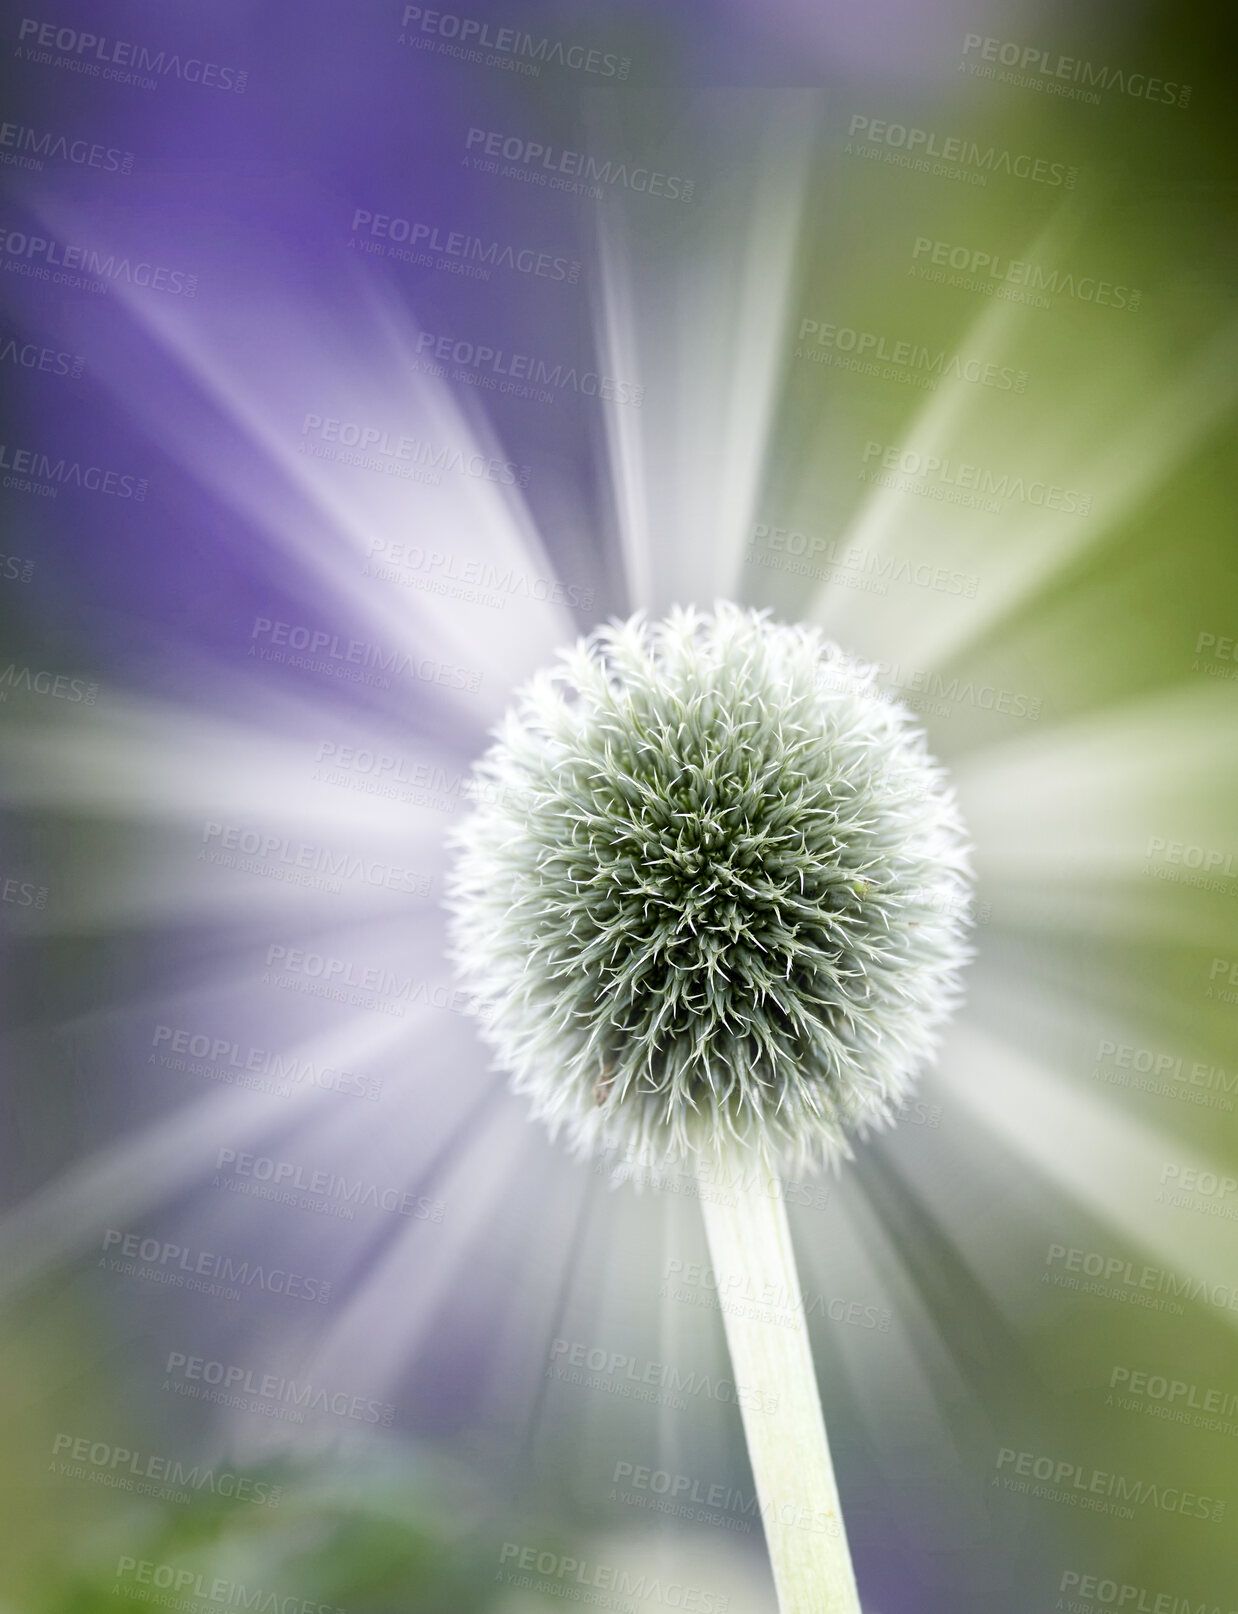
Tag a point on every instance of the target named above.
point(714, 892)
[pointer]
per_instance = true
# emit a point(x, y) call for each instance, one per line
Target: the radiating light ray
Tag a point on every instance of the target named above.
point(618, 323)
point(206, 784)
point(492, 516)
point(424, 1265)
point(1088, 794)
point(141, 758)
point(974, 1208)
point(747, 372)
point(1074, 825)
point(365, 372)
point(1132, 459)
point(953, 414)
point(154, 1164)
point(406, 1060)
point(903, 1385)
point(1092, 439)
point(1087, 1012)
point(275, 895)
point(542, 1293)
point(707, 331)
point(1108, 1162)
point(987, 1210)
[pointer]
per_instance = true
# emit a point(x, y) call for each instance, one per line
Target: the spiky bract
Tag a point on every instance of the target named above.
point(713, 893)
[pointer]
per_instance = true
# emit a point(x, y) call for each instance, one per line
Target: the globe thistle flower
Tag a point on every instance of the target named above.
point(713, 892)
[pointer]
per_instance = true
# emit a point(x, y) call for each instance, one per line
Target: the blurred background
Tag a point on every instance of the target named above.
point(356, 358)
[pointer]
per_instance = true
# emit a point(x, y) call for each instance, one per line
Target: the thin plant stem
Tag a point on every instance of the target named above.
point(750, 1249)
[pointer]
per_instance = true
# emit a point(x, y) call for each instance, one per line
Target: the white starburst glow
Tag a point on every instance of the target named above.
point(684, 477)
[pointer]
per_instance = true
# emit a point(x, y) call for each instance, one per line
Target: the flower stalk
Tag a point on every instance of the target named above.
point(750, 1241)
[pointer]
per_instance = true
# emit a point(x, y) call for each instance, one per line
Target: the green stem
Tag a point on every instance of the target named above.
point(750, 1249)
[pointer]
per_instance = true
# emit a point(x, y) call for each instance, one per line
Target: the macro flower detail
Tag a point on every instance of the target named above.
point(713, 892)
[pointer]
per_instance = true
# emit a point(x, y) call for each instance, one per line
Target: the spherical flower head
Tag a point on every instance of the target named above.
point(713, 894)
